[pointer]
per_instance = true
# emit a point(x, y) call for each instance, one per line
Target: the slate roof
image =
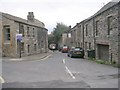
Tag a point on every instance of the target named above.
point(18, 19)
point(104, 8)
point(107, 6)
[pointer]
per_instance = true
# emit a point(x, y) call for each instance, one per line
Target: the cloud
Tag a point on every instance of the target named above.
point(69, 12)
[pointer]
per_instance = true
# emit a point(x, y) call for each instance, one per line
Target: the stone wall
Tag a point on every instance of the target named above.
point(119, 33)
point(8, 46)
point(88, 36)
point(96, 32)
point(81, 34)
point(73, 37)
point(0, 34)
point(103, 37)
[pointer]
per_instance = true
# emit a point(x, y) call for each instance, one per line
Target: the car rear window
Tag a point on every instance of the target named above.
point(65, 47)
point(77, 49)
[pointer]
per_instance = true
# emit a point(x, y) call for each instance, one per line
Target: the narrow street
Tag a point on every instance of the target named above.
point(58, 71)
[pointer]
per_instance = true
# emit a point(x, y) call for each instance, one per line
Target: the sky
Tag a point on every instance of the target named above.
point(51, 12)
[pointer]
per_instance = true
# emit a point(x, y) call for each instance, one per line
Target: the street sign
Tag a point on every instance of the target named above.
point(19, 37)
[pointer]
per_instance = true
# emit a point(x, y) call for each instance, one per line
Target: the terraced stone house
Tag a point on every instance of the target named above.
point(34, 36)
point(101, 33)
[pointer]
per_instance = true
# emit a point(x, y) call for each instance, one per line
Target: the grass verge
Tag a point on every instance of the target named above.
point(113, 63)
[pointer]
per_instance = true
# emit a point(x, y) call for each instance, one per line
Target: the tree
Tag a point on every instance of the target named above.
point(58, 31)
point(55, 36)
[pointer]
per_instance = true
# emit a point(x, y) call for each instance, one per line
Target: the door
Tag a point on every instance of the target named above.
point(103, 52)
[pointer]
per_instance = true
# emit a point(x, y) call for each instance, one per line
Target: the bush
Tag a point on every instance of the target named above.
point(113, 62)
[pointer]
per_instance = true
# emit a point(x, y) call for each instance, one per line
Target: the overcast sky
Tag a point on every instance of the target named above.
point(50, 12)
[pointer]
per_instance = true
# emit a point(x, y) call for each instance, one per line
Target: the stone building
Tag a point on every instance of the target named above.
point(88, 36)
point(107, 32)
point(101, 33)
point(0, 34)
point(74, 36)
point(65, 40)
point(34, 36)
point(77, 37)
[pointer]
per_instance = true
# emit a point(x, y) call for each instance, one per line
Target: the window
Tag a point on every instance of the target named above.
point(77, 49)
point(97, 28)
point(22, 46)
point(21, 29)
point(109, 24)
point(69, 35)
point(86, 27)
point(33, 32)
point(28, 49)
point(89, 45)
point(35, 48)
point(7, 32)
point(28, 32)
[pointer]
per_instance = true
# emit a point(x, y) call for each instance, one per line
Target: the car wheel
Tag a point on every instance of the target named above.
point(68, 55)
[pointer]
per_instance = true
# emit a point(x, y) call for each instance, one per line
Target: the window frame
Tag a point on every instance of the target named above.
point(22, 47)
point(86, 29)
point(109, 24)
point(28, 31)
point(6, 33)
point(21, 29)
point(97, 28)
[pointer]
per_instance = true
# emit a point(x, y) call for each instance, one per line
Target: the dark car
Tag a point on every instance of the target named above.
point(76, 52)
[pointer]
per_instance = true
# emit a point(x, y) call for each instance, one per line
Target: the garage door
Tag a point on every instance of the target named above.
point(103, 52)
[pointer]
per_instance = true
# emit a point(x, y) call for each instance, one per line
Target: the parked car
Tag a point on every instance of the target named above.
point(64, 49)
point(76, 52)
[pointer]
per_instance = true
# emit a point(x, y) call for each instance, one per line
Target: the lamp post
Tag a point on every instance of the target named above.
point(19, 39)
point(19, 43)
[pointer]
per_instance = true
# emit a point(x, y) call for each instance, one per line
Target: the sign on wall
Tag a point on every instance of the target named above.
point(19, 37)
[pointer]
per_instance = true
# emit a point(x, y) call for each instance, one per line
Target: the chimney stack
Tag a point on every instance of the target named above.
point(30, 16)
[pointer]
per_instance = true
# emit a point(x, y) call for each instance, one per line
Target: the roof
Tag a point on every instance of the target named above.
point(18, 19)
point(39, 22)
point(107, 6)
point(104, 8)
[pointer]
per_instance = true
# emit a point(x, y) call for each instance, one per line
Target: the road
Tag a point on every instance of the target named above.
point(59, 71)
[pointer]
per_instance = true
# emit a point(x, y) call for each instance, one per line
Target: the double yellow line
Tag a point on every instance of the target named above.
point(2, 80)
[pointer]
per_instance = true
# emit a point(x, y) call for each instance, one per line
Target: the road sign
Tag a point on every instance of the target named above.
point(19, 37)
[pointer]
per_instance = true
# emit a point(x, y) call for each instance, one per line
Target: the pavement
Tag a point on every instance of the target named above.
point(29, 58)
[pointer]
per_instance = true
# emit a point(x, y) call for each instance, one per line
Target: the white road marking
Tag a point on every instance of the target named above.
point(64, 61)
point(47, 57)
point(2, 80)
point(16, 59)
point(69, 72)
